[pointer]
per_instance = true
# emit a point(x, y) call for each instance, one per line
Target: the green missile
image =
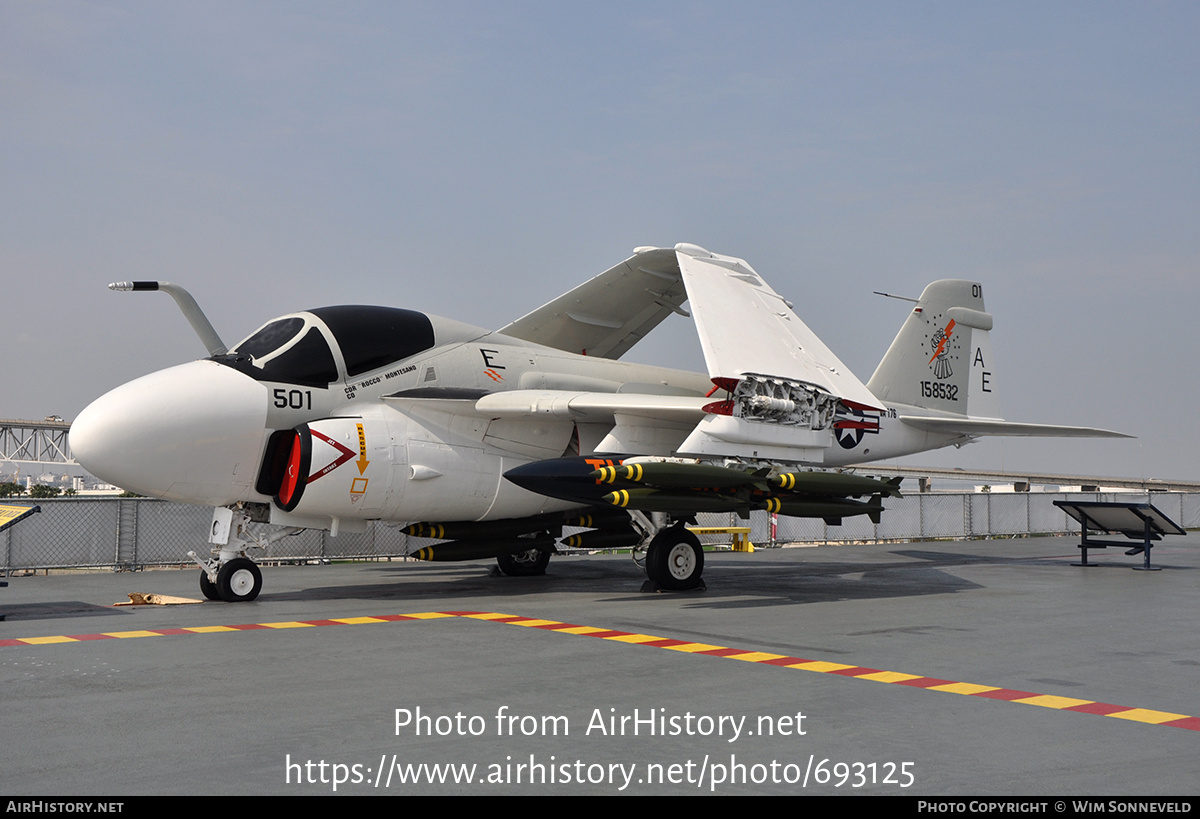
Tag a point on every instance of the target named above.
point(678, 476)
point(456, 550)
point(835, 483)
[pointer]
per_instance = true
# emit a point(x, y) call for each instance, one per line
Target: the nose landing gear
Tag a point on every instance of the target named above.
point(228, 574)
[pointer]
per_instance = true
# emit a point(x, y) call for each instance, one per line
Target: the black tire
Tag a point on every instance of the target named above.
point(675, 560)
point(653, 557)
point(524, 564)
point(239, 581)
point(207, 588)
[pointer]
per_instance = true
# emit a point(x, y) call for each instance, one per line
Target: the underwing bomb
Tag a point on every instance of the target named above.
point(603, 539)
point(835, 483)
point(657, 500)
point(829, 509)
point(456, 550)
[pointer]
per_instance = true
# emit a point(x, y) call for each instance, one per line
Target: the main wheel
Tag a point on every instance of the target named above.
point(207, 588)
point(239, 581)
point(675, 559)
point(524, 564)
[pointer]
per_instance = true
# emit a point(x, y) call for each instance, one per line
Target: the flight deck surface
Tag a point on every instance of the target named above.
point(986, 667)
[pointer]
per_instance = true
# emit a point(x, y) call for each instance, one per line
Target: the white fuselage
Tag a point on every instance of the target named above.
point(197, 432)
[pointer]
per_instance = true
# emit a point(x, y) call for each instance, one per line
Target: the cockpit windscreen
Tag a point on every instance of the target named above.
point(282, 351)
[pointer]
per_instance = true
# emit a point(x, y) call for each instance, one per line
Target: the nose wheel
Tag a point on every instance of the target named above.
point(239, 581)
point(207, 587)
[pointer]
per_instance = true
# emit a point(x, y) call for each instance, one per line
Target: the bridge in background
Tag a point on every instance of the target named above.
point(36, 442)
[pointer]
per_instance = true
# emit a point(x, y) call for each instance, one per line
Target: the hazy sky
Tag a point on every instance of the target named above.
point(474, 160)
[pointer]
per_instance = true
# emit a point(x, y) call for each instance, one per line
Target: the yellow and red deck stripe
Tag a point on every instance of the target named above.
point(1143, 715)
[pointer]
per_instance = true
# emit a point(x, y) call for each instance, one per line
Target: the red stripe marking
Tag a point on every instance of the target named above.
point(857, 671)
point(785, 661)
point(1190, 723)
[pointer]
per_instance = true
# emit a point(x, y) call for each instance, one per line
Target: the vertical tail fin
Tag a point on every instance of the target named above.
point(942, 357)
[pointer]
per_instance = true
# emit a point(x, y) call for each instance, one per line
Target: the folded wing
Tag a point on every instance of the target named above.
point(746, 328)
point(608, 314)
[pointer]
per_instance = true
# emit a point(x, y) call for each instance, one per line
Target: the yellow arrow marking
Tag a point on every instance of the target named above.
point(362, 450)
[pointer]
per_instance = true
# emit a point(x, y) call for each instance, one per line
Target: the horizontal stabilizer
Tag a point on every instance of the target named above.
point(981, 427)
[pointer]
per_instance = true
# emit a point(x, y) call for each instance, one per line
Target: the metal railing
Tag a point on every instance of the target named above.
point(128, 533)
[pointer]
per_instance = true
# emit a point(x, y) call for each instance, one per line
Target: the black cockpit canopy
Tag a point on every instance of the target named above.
point(294, 350)
point(373, 337)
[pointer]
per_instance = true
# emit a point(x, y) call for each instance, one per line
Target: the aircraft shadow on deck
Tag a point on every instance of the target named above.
point(56, 611)
point(740, 582)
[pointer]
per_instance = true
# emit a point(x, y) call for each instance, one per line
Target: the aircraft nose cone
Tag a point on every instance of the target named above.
point(192, 433)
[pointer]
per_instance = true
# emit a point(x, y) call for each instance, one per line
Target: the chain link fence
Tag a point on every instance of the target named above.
point(128, 533)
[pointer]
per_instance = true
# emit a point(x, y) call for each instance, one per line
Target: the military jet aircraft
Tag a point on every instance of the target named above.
point(495, 440)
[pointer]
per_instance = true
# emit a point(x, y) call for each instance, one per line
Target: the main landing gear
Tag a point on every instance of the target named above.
point(524, 564)
point(674, 561)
